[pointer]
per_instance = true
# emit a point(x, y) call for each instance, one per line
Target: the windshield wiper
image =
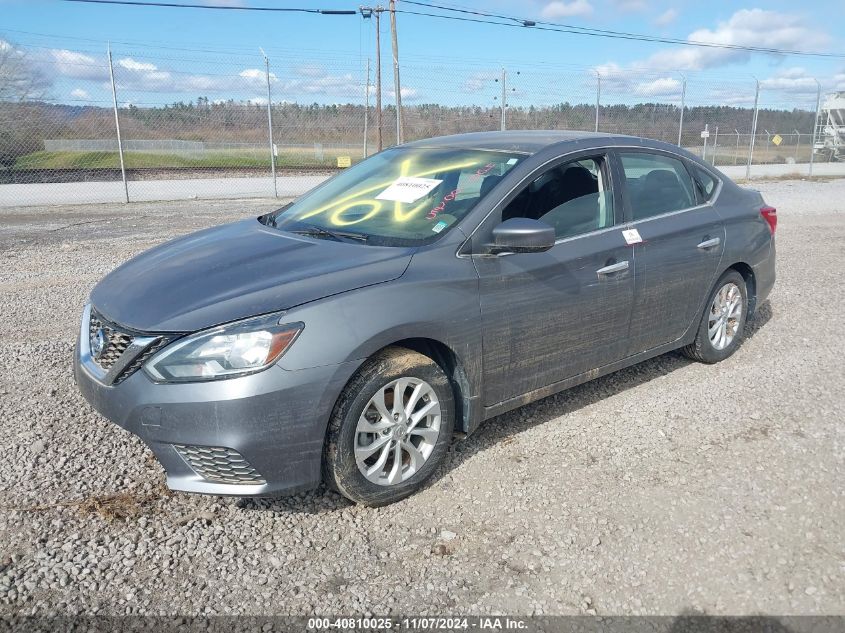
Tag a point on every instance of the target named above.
point(312, 230)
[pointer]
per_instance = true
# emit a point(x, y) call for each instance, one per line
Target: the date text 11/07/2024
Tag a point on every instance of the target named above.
point(419, 624)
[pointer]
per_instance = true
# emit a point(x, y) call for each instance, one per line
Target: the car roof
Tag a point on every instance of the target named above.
point(524, 141)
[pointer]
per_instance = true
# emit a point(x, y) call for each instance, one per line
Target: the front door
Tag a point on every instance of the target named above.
point(549, 316)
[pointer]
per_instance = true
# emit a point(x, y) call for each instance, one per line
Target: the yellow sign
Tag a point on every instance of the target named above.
point(344, 161)
point(777, 139)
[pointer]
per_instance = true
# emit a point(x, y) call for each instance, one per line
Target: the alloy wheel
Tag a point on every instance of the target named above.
point(397, 431)
point(724, 316)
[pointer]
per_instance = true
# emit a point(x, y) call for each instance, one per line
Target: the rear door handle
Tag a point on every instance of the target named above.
point(613, 268)
point(709, 244)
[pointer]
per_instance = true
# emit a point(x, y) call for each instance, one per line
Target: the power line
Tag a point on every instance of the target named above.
point(223, 7)
point(579, 30)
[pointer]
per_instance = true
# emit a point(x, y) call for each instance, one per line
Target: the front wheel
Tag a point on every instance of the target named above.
point(723, 322)
point(390, 429)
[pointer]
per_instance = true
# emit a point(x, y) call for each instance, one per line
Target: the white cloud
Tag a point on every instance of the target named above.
point(131, 64)
point(631, 5)
point(612, 74)
point(663, 87)
point(563, 9)
point(666, 18)
point(791, 80)
point(79, 93)
point(480, 80)
point(76, 65)
point(408, 94)
point(258, 76)
point(747, 27)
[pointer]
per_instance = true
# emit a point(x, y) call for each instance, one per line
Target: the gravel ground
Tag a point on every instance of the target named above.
point(665, 488)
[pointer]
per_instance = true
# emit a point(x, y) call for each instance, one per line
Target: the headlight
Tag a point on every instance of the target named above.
point(230, 350)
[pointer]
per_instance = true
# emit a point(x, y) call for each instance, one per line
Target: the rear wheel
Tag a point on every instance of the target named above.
point(721, 330)
point(390, 428)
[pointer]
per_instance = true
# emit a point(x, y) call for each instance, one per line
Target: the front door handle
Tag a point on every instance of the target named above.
point(706, 244)
point(613, 268)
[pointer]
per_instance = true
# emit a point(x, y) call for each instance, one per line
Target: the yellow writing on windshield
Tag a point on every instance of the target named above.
point(337, 207)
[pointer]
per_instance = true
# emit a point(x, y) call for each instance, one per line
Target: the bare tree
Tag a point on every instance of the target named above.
point(20, 77)
point(22, 83)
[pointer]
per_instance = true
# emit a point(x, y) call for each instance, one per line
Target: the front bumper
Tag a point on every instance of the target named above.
point(275, 420)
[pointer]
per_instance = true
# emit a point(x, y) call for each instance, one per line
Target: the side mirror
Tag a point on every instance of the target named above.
point(522, 235)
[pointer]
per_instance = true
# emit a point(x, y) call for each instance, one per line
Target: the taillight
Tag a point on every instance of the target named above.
point(770, 215)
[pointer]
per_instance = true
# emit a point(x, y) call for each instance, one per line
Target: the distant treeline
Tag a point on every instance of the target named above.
point(24, 126)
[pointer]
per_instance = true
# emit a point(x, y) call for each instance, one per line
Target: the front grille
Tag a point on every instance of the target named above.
point(116, 340)
point(219, 464)
point(142, 358)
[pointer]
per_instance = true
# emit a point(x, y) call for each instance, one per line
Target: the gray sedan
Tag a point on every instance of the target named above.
point(347, 337)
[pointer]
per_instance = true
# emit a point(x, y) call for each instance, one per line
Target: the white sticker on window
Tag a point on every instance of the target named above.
point(632, 236)
point(512, 161)
point(407, 189)
point(439, 226)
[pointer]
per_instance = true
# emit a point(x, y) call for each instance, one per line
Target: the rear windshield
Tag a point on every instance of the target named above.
point(399, 197)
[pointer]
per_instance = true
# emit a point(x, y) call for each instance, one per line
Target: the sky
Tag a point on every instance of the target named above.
point(163, 55)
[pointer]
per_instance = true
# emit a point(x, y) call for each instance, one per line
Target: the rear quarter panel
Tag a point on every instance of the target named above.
point(747, 237)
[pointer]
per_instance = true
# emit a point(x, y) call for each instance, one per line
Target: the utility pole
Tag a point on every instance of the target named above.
point(117, 127)
point(736, 153)
point(270, 124)
point(379, 124)
point(366, 109)
point(715, 145)
point(397, 87)
point(598, 99)
point(683, 106)
point(753, 129)
point(504, 125)
point(815, 126)
point(367, 13)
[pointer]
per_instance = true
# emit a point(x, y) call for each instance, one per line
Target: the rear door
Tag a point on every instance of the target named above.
point(678, 244)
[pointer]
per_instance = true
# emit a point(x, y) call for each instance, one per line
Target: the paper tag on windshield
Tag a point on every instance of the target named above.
point(632, 236)
point(407, 189)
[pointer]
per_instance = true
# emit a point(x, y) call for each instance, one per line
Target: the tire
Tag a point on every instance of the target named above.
point(712, 350)
point(391, 371)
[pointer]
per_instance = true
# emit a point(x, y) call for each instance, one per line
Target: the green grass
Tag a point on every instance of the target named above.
point(148, 160)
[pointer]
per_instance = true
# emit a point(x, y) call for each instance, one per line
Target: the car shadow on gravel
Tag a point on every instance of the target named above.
point(499, 429)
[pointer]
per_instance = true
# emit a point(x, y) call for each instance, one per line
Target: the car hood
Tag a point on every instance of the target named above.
point(236, 271)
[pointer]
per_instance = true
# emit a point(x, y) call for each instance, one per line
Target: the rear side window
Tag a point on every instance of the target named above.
point(705, 184)
point(656, 184)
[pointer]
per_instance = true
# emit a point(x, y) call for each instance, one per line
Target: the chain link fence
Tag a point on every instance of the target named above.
point(127, 124)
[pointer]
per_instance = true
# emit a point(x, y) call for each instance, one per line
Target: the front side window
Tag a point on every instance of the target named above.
point(403, 196)
point(573, 198)
point(656, 184)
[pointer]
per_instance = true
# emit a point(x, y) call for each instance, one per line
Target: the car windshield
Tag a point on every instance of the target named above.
point(400, 197)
